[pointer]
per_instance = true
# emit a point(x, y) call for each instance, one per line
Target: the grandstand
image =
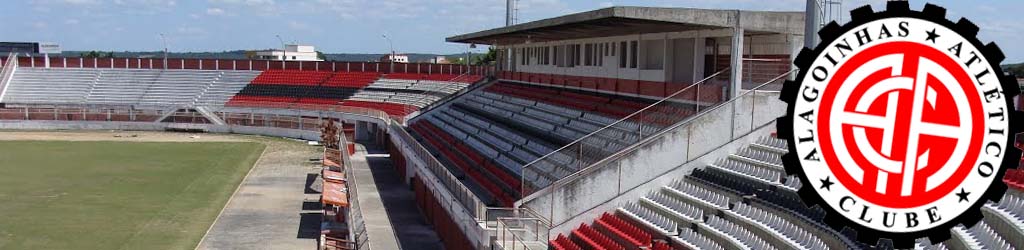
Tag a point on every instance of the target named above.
point(187, 84)
point(585, 135)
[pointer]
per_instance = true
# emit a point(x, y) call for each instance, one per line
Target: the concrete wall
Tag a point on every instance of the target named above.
point(150, 126)
point(656, 162)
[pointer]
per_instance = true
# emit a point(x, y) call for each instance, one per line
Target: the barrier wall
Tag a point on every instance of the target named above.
point(229, 64)
point(152, 126)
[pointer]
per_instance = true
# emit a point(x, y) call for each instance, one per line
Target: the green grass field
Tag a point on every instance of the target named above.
point(115, 195)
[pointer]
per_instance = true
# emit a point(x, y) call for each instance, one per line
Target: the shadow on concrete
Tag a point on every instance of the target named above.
point(411, 228)
point(310, 181)
point(309, 225)
point(311, 205)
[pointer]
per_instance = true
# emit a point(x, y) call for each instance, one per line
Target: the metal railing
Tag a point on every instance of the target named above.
point(714, 127)
point(461, 193)
point(413, 113)
point(620, 134)
point(357, 226)
point(7, 72)
point(472, 86)
point(460, 202)
point(522, 233)
point(300, 119)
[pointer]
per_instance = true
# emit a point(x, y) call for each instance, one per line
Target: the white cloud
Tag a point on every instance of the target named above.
point(250, 7)
point(214, 11)
point(301, 26)
point(66, 2)
point(244, 2)
point(72, 21)
point(189, 30)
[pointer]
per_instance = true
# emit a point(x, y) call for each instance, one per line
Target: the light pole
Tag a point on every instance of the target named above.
point(164, 38)
point(469, 53)
point(284, 51)
point(392, 58)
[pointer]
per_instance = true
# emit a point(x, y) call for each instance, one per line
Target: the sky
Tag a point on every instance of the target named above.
point(358, 26)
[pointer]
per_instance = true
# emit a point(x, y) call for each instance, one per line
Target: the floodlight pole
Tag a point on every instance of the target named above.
point(469, 54)
point(392, 58)
point(509, 12)
point(164, 38)
point(284, 51)
point(811, 24)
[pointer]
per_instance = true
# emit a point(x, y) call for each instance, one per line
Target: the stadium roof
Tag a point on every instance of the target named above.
point(617, 21)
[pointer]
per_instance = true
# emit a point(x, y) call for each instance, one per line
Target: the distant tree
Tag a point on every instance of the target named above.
point(1016, 69)
point(91, 54)
point(321, 56)
point(487, 59)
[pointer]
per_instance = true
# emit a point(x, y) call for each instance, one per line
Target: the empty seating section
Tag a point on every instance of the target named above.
point(324, 90)
point(436, 77)
point(292, 77)
point(514, 125)
point(979, 236)
point(615, 107)
point(419, 93)
point(745, 201)
point(141, 87)
point(1007, 217)
point(282, 88)
point(451, 150)
point(355, 80)
point(592, 239)
point(563, 243)
point(272, 88)
point(1014, 178)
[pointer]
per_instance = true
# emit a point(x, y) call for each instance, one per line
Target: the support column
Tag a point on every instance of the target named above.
point(811, 24)
point(736, 60)
point(698, 58)
point(362, 131)
point(794, 49)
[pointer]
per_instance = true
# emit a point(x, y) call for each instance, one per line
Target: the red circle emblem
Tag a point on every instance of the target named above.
point(905, 133)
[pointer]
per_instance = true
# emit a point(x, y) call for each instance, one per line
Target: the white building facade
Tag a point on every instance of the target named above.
point(292, 52)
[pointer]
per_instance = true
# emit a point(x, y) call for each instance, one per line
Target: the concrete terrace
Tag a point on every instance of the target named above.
point(388, 206)
point(273, 208)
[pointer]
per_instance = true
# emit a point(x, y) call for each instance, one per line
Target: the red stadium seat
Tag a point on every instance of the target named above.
point(563, 243)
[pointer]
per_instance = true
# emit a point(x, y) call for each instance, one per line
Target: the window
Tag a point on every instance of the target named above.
point(654, 54)
point(622, 54)
point(547, 55)
point(522, 53)
point(558, 57)
point(588, 54)
point(633, 57)
point(579, 55)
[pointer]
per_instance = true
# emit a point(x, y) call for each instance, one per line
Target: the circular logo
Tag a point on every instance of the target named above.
point(899, 123)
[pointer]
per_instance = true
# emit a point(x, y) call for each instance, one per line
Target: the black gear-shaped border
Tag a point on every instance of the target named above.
point(863, 15)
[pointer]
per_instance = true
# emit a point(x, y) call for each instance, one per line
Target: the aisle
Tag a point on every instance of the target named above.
point(388, 205)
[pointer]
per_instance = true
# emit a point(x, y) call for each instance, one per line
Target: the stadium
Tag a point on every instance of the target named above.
point(615, 128)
